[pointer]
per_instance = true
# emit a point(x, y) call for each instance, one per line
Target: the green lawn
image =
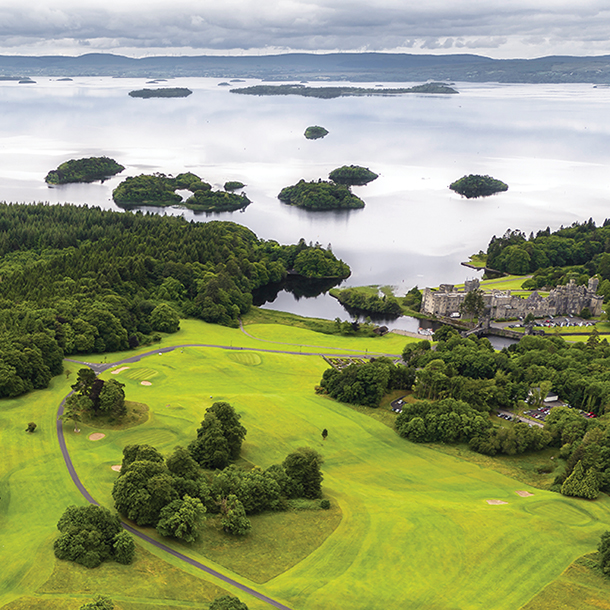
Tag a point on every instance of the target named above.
point(581, 586)
point(415, 527)
point(509, 282)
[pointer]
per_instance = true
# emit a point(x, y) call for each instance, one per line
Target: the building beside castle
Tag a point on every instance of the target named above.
point(501, 304)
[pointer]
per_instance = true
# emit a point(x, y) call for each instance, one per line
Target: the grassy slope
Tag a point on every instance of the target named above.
point(416, 530)
point(34, 491)
point(581, 586)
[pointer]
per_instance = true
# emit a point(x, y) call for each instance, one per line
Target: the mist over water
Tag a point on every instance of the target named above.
point(549, 143)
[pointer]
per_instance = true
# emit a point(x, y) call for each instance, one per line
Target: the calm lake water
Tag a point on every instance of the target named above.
point(550, 143)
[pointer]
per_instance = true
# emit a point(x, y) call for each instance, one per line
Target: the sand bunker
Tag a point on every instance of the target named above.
point(496, 502)
point(96, 436)
point(524, 494)
point(116, 467)
point(145, 383)
point(123, 368)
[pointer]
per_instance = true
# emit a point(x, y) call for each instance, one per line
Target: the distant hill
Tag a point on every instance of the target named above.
point(367, 67)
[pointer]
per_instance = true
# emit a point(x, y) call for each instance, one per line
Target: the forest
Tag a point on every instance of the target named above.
point(84, 170)
point(81, 280)
point(464, 378)
point(579, 252)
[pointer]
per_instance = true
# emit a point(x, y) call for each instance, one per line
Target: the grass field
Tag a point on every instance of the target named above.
point(581, 586)
point(410, 525)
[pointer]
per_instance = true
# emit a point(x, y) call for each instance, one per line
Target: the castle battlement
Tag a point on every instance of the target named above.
point(562, 300)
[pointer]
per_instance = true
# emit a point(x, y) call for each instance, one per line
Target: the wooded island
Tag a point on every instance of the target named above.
point(84, 170)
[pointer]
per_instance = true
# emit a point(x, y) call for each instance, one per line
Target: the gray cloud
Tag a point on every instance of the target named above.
point(520, 28)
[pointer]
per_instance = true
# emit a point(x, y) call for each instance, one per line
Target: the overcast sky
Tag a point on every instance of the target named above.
point(501, 29)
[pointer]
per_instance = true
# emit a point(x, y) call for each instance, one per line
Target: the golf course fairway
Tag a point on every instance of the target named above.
point(409, 527)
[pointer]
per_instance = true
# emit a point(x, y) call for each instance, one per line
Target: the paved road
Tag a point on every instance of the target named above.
point(98, 368)
point(531, 422)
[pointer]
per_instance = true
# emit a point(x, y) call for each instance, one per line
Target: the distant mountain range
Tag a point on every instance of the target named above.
point(366, 67)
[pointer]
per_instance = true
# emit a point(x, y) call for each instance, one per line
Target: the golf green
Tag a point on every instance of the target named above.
point(415, 531)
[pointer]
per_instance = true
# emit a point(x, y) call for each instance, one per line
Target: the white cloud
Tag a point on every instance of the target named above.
point(524, 28)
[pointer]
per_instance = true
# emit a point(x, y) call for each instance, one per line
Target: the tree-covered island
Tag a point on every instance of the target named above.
point(160, 190)
point(315, 132)
point(474, 185)
point(165, 92)
point(352, 175)
point(333, 92)
point(84, 170)
point(320, 195)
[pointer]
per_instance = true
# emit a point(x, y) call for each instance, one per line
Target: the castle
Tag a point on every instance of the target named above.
point(501, 304)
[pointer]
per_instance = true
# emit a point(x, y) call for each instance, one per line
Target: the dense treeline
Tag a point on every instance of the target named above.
point(366, 384)
point(174, 494)
point(469, 372)
point(582, 245)
point(320, 195)
point(84, 170)
point(81, 280)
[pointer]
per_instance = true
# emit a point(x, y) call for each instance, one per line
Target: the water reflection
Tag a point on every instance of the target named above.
point(550, 143)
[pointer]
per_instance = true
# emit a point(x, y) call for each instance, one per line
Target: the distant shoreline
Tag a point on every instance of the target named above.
point(347, 67)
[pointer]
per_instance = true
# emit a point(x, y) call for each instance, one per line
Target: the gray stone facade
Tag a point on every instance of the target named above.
point(569, 299)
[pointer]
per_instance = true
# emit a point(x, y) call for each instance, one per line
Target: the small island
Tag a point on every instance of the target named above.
point(333, 92)
point(474, 186)
point(165, 92)
point(160, 190)
point(320, 195)
point(352, 175)
point(84, 170)
point(233, 185)
point(315, 132)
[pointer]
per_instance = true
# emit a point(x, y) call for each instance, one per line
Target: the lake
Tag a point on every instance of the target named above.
point(549, 143)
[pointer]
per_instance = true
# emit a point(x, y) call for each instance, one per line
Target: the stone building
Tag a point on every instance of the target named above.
point(568, 299)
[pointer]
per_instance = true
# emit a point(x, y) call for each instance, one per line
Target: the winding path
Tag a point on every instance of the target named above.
point(99, 368)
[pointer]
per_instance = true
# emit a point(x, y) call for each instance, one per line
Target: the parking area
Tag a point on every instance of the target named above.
point(396, 405)
point(541, 413)
point(556, 322)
